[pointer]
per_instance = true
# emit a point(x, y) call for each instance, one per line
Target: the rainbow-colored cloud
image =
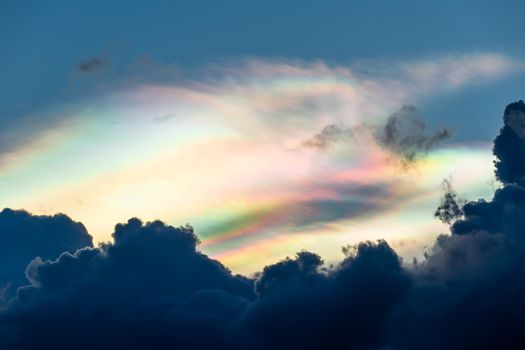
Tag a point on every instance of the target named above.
point(223, 152)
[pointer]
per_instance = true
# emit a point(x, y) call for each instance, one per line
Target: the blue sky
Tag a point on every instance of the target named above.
point(42, 42)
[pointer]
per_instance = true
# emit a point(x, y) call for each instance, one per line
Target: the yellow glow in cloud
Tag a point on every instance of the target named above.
point(224, 155)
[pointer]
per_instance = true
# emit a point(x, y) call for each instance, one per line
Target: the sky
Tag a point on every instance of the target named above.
point(235, 175)
point(261, 124)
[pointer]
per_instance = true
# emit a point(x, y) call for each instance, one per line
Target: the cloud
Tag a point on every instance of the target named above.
point(24, 236)
point(330, 134)
point(509, 145)
point(455, 70)
point(91, 65)
point(450, 207)
point(466, 294)
point(303, 307)
point(148, 289)
point(404, 133)
point(165, 118)
point(278, 91)
point(152, 288)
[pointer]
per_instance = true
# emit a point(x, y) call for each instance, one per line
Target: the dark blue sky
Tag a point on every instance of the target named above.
point(42, 42)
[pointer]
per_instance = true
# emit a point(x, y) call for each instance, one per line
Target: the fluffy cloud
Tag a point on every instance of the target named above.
point(121, 152)
point(148, 289)
point(303, 307)
point(24, 237)
point(509, 145)
point(152, 288)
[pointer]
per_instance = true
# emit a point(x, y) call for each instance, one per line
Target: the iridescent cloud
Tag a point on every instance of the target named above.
point(223, 152)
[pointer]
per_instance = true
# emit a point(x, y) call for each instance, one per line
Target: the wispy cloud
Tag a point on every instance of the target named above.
point(91, 65)
point(231, 154)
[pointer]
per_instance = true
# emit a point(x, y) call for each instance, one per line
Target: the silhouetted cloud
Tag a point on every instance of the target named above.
point(148, 289)
point(450, 207)
point(91, 65)
point(509, 145)
point(405, 134)
point(24, 237)
point(303, 307)
point(153, 289)
point(469, 292)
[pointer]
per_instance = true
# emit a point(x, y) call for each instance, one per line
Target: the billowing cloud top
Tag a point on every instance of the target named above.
point(24, 237)
point(509, 145)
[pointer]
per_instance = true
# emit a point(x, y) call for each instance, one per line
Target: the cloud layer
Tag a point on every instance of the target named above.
point(229, 152)
point(152, 288)
point(24, 237)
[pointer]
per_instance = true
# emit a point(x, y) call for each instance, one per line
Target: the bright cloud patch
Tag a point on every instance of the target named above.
point(225, 152)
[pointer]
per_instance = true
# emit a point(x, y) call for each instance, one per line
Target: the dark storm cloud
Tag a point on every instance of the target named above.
point(91, 65)
point(152, 289)
point(405, 134)
point(302, 307)
point(509, 145)
point(23, 237)
point(469, 294)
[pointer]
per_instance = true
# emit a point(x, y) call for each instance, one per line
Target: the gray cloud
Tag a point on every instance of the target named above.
point(165, 118)
point(509, 145)
point(405, 134)
point(24, 236)
point(91, 65)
